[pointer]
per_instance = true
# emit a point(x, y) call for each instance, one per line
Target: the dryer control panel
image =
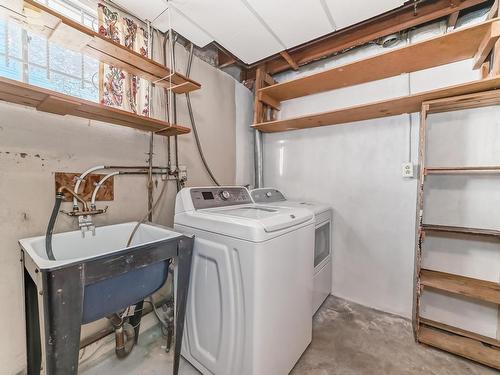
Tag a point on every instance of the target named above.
point(267, 195)
point(211, 197)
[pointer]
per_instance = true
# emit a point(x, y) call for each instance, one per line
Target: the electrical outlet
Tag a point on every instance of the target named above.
point(408, 170)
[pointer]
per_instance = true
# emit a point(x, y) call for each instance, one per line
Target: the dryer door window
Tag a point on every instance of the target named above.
point(322, 243)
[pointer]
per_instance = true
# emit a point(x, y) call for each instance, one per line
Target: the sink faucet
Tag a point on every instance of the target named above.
point(85, 222)
point(76, 196)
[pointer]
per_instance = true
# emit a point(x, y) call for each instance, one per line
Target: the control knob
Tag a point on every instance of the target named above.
point(225, 195)
point(268, 194)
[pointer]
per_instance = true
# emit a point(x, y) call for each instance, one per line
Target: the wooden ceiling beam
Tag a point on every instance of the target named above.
point(399, 19)
point(452, 19)
point(289, 59)
point(225, 60)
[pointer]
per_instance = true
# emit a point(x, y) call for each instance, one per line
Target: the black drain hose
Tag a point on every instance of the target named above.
point(50, 227)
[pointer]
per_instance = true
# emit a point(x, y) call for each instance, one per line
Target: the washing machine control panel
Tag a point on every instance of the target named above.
point(219, 197)
point(267, 196)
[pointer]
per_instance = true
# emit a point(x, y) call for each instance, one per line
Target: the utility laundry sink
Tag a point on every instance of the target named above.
point(110, 295)
point(93, 277)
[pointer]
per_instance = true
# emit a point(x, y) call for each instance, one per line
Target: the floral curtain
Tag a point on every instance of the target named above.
point(117, 87)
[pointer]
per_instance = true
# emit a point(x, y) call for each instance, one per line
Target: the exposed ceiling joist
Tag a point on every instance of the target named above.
point(452, 19)
point(412, 14)
point(225, 59)
point(293, 64)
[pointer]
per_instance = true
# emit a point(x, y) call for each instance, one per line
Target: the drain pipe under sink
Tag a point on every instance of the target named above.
point(124, 336)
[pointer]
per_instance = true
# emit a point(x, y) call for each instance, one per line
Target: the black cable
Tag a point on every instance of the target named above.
point(193, 122)
point(50, 227)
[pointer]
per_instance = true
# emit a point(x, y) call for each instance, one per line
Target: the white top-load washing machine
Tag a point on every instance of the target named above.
point(322, 284)
point(249, 301)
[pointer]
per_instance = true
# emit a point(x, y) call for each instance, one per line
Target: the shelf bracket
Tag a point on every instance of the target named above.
point(487, 44)
point(270, 101)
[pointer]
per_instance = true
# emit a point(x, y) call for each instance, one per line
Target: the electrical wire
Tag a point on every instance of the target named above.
point(164, 324)
point(193, 122)
point(163, 190)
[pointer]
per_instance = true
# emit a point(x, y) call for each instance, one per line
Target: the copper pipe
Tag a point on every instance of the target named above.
point(76, 196)
point(132, 167)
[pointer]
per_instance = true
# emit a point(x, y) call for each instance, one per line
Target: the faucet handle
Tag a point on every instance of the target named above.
point(85, 223)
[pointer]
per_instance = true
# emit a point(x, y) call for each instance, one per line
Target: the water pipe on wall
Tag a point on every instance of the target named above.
point(258, 159)
point(174, 113)
point(98, 186)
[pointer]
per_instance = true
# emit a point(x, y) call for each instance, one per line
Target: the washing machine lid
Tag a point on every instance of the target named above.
point(271, 218)
point(275, 197)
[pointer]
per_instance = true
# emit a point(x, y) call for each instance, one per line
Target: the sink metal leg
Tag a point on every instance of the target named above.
point(63, 303)
point(183, 275)
point(33, 343)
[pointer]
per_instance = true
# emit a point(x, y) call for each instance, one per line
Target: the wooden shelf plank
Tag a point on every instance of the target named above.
point(466, 286)
point(451, 47)
point(460, 332)
point(53, 102)
point(463, 346)
point(460, 230)
point(458, 103)
point(384, 108)
point(109, 52)
point(493, 169)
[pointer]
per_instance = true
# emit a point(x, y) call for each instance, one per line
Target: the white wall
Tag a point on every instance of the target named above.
point(34, 145)
point(357, 169)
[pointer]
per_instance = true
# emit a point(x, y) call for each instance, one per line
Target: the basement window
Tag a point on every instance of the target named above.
point(31, 58)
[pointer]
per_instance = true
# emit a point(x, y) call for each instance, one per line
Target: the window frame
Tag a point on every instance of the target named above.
point(49, 67)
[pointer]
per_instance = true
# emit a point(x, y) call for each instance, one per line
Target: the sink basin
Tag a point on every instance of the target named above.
point(93, 277)
point(110, 295)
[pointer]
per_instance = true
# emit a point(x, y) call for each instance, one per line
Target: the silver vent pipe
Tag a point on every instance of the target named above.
point(258, 159)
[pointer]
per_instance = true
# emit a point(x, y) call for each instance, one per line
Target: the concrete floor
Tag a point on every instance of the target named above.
point(348, 339)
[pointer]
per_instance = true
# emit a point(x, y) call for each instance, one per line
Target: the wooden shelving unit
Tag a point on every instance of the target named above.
point(460, 332)
point(384, 108)
point(465, 286)
point(490, 169)
point(472, 42)
point(460, 230)
point(117, 55)
point(54, 102)
point(485, 350)
point(455, 46)
point(467, 347)
point(105, 50)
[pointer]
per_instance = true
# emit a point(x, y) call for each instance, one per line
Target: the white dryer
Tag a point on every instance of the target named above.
point(322, 284)
point(250, 294)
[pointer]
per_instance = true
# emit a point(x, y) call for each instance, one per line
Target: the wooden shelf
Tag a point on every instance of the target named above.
point(116, 54)
point(53, 102)
point(458, 103)
point(493, 169)
point(471, 345)
point(460, 345)
point(451, 47)
point(459, 331)
point(473, 288)
point(384, 108)
point(460, 230)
